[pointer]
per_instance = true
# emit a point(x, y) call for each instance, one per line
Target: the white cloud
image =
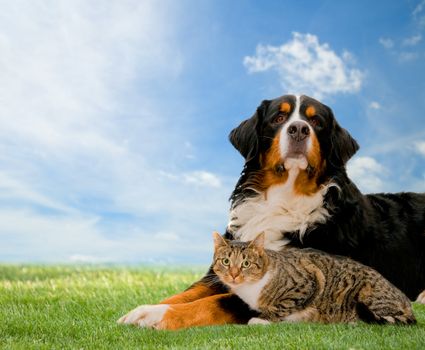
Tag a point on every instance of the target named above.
point(348, 57)
point(419, 8)
point(86, 259)
point(67, 74)
point(49, 237)
point(403, 56)
point(367, 174)
point(64, 66)
point(82, 136)
point(12, 190)
point(202, 178)
point(199, 178)
point(420, 147)
point(418, 14)
point(386, 42)
point(76, 238)
point(413, 40)
point(375, 105)
point(167, 236)
point(409, 42)
point(407, 56)
point(305, 65)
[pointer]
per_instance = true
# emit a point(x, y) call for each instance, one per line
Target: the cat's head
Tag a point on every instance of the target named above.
point(236, 262)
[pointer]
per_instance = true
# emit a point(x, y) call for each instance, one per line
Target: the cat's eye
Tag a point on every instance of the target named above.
point(225, 261)
point(246, 264)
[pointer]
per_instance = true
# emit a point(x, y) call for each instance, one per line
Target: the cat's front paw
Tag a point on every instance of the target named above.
point(421, 298)
point(145, 316)
point(256, 320)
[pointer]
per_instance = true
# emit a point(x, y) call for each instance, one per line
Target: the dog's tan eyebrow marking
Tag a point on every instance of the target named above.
point(285, 107)
point(310, 111)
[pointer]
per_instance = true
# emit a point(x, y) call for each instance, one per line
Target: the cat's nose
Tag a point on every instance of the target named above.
point(234, 273)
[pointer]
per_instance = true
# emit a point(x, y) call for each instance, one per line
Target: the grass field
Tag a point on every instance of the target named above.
point(77, 307)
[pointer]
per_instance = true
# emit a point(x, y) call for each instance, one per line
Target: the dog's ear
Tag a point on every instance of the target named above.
point(245, 137)
point(343, 145)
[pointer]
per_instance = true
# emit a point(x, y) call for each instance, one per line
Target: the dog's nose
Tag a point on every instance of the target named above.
point(298, 130)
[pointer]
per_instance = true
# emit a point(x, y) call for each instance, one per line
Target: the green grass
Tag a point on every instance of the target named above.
point(77, 308)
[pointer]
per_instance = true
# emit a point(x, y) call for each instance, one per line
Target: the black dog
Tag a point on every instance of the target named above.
point(295, 188)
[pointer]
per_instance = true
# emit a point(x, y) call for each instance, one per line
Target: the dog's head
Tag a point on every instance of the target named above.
point(293, 132)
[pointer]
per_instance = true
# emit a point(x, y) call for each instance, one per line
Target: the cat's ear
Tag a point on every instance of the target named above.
point(258, 241)
point(219, 241)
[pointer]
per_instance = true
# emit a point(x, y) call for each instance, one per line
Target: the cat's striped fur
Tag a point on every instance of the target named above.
point(307, 285)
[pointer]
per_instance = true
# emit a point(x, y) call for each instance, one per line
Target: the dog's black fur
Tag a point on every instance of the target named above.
point(384, 231)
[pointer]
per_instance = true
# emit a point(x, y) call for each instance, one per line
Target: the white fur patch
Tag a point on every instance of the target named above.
point(148, 316)
point(277, 211)
point(421, 298)
point(389, 319)
point(284, 137)
point(293, 164)
point(301, 316)
point(250, 292)
point(256, 320)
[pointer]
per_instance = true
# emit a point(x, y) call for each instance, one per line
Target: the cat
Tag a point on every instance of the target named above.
point(306, 285)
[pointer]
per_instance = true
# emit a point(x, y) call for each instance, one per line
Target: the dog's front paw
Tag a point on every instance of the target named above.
point(146, 316)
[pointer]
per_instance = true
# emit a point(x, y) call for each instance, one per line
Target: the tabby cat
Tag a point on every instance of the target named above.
point(306, 285)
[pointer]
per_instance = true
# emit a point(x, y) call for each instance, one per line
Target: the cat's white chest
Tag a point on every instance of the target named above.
point(250, 292)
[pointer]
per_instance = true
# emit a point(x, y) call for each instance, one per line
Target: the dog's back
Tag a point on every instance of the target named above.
point(384, 231)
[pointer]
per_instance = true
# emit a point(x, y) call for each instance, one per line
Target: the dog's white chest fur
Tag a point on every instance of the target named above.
point(250, 292)
point(277, 211)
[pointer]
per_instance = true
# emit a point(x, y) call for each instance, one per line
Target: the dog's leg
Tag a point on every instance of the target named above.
point(213, 310)
point(167, 315)
point(197, 291)
point(207, 286)
point(421, 298)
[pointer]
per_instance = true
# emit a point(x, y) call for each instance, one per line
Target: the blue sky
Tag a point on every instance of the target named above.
point(115, 115)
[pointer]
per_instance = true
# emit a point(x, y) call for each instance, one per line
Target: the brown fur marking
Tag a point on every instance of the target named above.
point(307, 183)
point(268, 175)
point(320, 277)
point(285, 107)
point(309, 314)
point(310, 111)
point(195, 292)
point(202, 312)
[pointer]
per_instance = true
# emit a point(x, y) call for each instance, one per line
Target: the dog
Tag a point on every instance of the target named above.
point(294, 187)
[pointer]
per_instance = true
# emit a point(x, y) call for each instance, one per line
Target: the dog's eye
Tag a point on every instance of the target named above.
point(315, 122)
point(225, 261)
point(246, 264)
point(280, 118)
